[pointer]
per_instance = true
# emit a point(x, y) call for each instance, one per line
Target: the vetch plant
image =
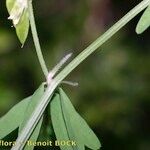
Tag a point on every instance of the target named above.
point(66, 122)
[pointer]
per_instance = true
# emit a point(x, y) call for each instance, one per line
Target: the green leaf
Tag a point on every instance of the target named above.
point(13, 118)
point(22, 27)
point(35, 99)
point(144, 21)
point(65, 118)
point(86, 136)
point(58, 122)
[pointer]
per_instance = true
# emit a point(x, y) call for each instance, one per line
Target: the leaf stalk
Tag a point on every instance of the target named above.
point(36, 39)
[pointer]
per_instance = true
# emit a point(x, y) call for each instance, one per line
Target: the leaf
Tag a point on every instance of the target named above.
point(144, 21)
point(58, 122)
point(35, 99)
point(66, 119)
point(19, 15)
point(86, 136)
point(22, 28)
point(13, 118)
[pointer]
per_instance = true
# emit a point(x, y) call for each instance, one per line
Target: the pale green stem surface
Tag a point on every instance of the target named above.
point(35, 117)
point(36, 40)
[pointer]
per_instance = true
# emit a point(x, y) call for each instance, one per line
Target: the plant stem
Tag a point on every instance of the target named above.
point(102, 39)
point(35, 117)
point(36, 40)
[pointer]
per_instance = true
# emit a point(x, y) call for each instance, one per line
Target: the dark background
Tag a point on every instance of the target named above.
point(113, 95)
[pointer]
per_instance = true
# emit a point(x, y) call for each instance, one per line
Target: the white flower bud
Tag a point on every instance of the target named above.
point(17, 11)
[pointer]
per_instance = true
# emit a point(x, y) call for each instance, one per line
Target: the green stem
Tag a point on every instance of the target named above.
point(35, 117)
point(102, 39)
point(36, 40)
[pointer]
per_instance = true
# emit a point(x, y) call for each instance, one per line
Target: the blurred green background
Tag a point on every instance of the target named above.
point(113, 95)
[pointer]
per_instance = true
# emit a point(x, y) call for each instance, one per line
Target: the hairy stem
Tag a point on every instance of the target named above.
point(35, 117)
point(36, 40)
